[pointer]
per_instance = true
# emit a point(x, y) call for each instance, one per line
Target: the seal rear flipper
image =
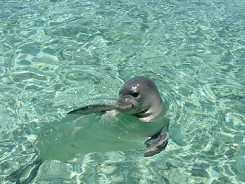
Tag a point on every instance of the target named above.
point(156, 143)
point(16, 176)
point(93, 109)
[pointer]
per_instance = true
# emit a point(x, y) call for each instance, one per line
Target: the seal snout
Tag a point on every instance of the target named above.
point(124, 103)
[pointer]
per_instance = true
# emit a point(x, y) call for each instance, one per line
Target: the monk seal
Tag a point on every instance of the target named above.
point(138, 97)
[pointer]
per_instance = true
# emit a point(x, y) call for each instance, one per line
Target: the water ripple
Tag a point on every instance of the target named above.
point(57, 55)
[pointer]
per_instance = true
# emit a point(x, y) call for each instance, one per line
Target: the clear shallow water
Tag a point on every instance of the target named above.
point(57, 55)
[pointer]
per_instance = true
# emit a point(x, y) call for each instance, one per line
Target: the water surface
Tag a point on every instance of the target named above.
point(58, 55)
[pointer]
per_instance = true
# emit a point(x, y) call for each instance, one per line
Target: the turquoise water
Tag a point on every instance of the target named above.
point(58, 55)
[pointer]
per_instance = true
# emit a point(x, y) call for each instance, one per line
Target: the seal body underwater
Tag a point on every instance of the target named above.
point(139, 102)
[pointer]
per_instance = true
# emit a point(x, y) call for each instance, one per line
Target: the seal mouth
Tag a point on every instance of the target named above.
point(124, 106)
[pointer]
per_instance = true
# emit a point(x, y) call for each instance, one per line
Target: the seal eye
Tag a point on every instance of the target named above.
point(135, 94)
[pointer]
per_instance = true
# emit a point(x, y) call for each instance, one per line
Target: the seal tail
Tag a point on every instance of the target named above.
point(16, 176)
point(93, 109)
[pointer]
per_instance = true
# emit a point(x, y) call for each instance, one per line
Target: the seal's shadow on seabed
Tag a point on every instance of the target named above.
point(140, 114)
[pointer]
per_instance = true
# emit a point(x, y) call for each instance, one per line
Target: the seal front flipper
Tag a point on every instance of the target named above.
point(156, 143)
point(93, 109)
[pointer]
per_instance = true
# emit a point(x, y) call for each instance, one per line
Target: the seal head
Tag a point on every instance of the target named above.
point(139, 96)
